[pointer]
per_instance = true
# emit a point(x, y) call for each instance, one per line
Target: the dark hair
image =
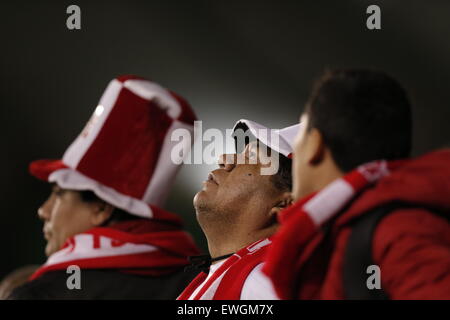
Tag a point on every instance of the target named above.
point(117, 215)
point(363, 115)
point(283, 178)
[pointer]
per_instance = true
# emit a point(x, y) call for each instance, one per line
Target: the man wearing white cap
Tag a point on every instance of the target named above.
point(103, 216)
point(237, 210)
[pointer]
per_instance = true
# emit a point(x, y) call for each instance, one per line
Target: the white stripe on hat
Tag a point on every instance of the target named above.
point(83, 142)
point(74, 180)
point(166, 170)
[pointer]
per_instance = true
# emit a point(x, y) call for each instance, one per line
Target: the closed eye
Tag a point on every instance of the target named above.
point(57, 191)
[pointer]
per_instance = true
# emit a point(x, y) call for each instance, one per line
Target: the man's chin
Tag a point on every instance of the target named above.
point(202, 200)
point(199, 198)
point(49, 249)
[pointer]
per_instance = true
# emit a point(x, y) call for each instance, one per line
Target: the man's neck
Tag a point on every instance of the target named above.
point(322, 177)
point(231, 243)
point(327, 177)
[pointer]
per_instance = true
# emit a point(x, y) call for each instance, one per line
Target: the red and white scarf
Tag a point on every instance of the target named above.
point(303, 220)
point(227, 281)
point(141, 246)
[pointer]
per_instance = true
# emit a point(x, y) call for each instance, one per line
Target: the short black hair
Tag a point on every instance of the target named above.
point(118, 215)
point(363, 115)
point(283, 178)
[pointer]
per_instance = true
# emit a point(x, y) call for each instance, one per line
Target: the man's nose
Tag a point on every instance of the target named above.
point(227, 161)
point(44, 210)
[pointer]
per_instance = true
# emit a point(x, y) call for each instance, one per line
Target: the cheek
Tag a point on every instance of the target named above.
point(300, 177)
point(300, 153)
point(298, 147)
point(58, 223)
point(68, 220)
point(296, 173)
point(244, 183)
point(60, 215)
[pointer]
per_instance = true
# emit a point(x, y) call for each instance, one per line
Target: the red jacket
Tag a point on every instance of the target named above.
point(411, 246)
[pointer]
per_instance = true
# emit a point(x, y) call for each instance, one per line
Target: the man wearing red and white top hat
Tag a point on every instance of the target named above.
point(104, 213)
point(237, 210)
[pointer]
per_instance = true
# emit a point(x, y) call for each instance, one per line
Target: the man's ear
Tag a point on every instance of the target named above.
point(103, 212)
point(285, 201)
point(315, 147)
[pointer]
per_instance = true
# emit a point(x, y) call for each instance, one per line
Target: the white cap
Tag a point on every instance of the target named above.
point(285, 136)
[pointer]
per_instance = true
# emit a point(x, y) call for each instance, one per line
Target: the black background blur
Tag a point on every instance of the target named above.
point(230, 59)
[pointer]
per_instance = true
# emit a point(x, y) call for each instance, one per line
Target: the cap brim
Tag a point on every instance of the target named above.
point(42, 169)
point(281, 146)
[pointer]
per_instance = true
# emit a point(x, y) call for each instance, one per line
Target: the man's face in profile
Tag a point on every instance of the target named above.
point(64, 214)
point(236, 185)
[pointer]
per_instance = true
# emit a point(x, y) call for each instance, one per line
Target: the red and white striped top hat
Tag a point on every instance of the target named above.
point(123, 154)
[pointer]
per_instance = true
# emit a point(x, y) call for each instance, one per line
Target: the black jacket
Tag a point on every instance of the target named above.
point(104, 284)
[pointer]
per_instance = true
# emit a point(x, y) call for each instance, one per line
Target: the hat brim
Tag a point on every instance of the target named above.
point(42, 169)
point(282, 146)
